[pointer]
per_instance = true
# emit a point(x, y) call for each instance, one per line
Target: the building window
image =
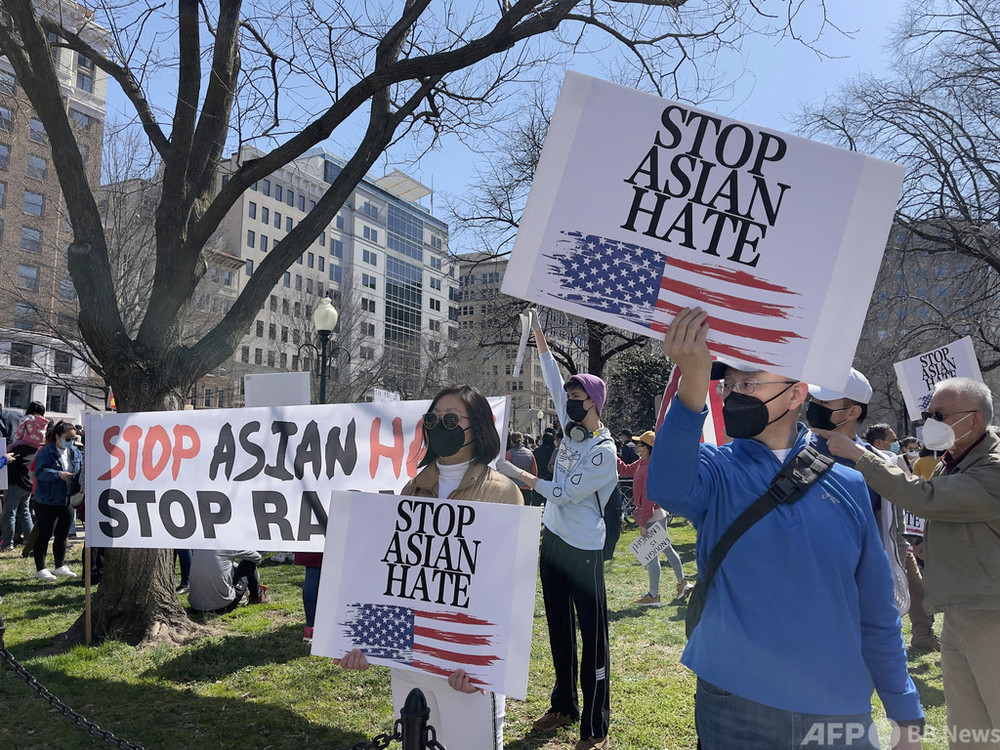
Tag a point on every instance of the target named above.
point(263, 243)
point(252, 210)
point(63, 363)
point(277, 192)
point(287, 279)
point(6, 119)
point(310, 260)
point(4, 155)
point(24, 317)
point(260, 329)
point(31, 239)
point(277, 220)
point(38, 168)
point(436, 242)
point(85, 82)
point(284, 334)
point(21, 354)
point(249, 267)
point(251, 238)
point(208, 397)
point(289, 197)
point(298, 283)
point(265, 188)
point(289, 224)
point(370, 234)
point(367, 352)
point(265, 214)
point(270, 359)
point(368, 280)
point(36, 131)
point(57, 399)
point(3, 193)
point(302, 202)
point(435, 304)
point(321, 263)
point(336, 274)
point(369, 257)
point(258, 357)
point(340, 222)
point(369, 210)
point(67, 292)
point(84, 152)
point(8, 85)
point(27, 277)
point(80, 120)
point(34, 203)
point(245, 354)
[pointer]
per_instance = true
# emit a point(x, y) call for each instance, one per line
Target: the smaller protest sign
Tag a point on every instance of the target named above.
point(918, 375)
point(431, 586)
point(914, 524)
point(276, 389)
point(646, 548)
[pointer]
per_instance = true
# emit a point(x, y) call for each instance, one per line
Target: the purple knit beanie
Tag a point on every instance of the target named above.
point(594, 386)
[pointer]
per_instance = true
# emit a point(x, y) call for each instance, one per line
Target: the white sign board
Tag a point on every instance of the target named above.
point(647, 548)
point(276, 389)
point(641, 206)
point(918, 375)
point(243, 478)
point(431, 585)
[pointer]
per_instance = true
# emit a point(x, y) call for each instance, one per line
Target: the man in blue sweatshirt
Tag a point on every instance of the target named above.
point(799, 623)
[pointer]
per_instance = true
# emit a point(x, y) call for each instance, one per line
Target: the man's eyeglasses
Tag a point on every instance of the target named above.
point(941, 417)
point(747, 387)
point(449, 420)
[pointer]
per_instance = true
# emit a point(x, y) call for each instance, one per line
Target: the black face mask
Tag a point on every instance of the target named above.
point(746, 416)
point(575, 410)
point(444, 442)
point(820, 417)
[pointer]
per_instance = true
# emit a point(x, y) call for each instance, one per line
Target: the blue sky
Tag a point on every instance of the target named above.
point(778, 79)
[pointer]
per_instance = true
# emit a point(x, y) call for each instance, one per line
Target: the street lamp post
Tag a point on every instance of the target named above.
point(541, 417)
point(325, 320)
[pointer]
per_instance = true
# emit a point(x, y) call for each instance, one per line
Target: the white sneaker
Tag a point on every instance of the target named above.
point(63, 572)
point(45, 575)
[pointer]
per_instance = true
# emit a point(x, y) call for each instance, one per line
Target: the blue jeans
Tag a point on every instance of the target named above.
point(15, 511)
point(728, 722)
point(310, 594)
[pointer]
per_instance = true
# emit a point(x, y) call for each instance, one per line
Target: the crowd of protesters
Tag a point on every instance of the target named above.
point(909, 528)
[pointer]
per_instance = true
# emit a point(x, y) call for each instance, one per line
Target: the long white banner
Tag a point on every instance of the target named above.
point(257, 478)
point(431, 585)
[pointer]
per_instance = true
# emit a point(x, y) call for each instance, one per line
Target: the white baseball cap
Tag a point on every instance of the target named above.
point(857, 389)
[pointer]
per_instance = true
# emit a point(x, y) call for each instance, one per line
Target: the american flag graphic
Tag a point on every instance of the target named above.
point(751, 318)
point(435, 642)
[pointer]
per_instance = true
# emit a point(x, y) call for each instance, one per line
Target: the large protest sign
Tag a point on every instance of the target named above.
point(256, 478)
point(431, 585)
point(918, 375)
point(641, 206)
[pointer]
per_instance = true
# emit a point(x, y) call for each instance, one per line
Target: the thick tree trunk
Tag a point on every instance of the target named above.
point(136, 602)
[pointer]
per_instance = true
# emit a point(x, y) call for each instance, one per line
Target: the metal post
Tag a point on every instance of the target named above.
point(413, 717)
point(324, 340)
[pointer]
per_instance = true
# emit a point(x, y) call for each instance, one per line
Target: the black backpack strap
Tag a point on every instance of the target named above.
point(788, 486)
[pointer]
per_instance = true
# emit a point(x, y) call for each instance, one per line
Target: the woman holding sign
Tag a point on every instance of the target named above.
point(648, 514)
point(460, 440)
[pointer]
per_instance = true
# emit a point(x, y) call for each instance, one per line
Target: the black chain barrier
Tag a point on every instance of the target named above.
point(411, 729)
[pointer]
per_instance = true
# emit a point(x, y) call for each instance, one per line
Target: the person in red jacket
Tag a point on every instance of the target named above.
point(646, 514)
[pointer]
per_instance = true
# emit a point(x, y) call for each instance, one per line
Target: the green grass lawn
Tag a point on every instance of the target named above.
point(257, 686)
